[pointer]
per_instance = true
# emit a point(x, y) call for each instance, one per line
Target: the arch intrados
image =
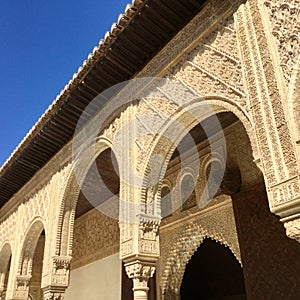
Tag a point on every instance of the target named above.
point(5, 254)
point(71, 193)
point(32, 235)
point(218, 105)
point(75, 181)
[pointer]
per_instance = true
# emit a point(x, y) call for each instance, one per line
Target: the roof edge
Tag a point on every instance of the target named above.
point(124, 19)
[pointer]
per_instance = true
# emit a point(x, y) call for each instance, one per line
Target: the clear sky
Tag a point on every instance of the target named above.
point(43, 42)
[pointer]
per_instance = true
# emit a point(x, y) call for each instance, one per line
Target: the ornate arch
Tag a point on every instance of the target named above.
point(25, 264)
point(187, 199)
point(166, 149)
point(5, 253)
point(64, 239)
point(184, 245)
point(29, 243)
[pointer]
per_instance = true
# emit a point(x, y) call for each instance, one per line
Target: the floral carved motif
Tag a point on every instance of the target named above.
point(285, 22)
point(213, 67)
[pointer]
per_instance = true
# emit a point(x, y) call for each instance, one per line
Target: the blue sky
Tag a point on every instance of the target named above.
point(42, 44)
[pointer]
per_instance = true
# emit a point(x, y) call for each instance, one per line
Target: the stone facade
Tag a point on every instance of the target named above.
point(242, 58)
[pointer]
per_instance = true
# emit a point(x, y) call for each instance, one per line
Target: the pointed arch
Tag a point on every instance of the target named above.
point(184, 246)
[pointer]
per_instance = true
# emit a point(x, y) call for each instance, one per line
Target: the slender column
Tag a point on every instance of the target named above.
point(140, 272)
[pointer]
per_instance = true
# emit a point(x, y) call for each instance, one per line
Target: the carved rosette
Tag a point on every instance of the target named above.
point(293, 229)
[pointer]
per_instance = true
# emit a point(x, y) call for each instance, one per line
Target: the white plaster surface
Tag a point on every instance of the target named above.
point(100, 280)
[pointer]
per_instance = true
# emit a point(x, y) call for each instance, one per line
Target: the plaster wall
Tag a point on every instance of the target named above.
point(100, 280)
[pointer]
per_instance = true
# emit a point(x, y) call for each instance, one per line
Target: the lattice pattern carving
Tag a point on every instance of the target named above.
point(95, 236)
point(213, 67)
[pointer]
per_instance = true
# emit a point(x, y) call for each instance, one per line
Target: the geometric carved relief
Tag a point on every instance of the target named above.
point(95, 236)
point(213, 68)
point(285, 24)
point(8, 229)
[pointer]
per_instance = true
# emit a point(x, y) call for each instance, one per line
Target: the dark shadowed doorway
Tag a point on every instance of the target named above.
point(213, 273)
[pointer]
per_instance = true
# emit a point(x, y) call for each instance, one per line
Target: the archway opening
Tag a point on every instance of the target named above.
point(95, 266)
point(186, 170)
point(213, 273)
point(99, 188)
point(35, 290)
point(5, 262)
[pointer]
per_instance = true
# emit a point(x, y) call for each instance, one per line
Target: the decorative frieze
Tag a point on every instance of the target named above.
point(95, 236)
point(285, 192)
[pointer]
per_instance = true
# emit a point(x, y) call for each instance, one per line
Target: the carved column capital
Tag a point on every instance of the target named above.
point(60, 270)
point(59, 278)
point(293, 229)
point(140, 272)
point(22, 286)
point(139, 269)
point(54, 293)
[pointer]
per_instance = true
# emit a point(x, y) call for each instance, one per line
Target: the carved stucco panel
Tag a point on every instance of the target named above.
point(284, 20)
point(95, 236)
point(8, 229)
point(278, 155)
point(213, 68)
